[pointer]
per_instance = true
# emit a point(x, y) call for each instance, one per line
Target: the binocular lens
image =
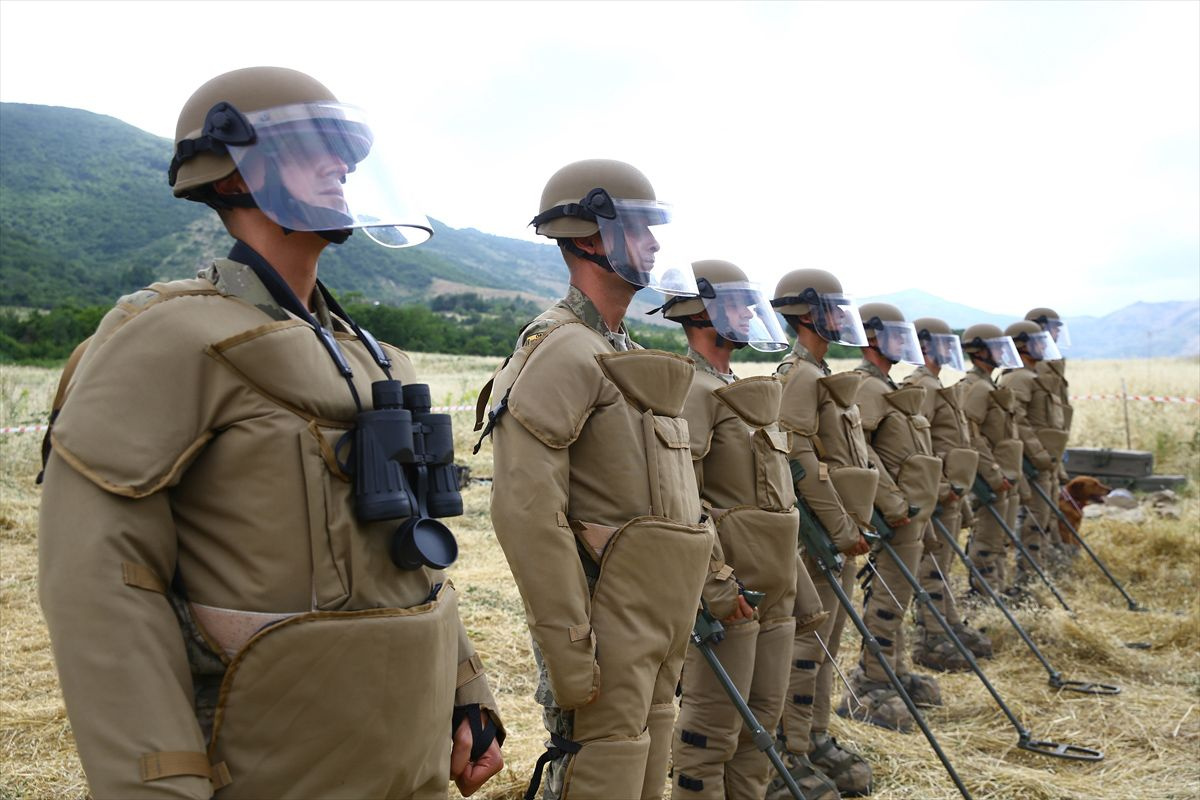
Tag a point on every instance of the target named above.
point(423, 542)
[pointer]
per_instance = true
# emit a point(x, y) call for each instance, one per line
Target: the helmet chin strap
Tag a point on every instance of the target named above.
point(599, 260)
point(882, 354)
point(721, 341)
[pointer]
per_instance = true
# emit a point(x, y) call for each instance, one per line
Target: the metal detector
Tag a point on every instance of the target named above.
point(986, 498)
point(1031, 472)
point(1025, 740)
point(1056, 678)
point(708, 631)
point(820, 549)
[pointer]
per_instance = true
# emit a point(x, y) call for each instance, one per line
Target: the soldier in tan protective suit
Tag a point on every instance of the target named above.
point(899, 445)
point(1052, 375)
point(820, 412)
point(226, 616)
point(1038, 414)
point(994, 436)
point(740, 456)
point(594, 499)
point(951, 437)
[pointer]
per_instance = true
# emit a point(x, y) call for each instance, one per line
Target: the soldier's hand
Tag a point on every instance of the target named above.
point(1005, 485)
point(470, 775)
point(743, 611)
point(860, 548)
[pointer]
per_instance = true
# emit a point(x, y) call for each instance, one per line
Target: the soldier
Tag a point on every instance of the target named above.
point(951, 438)
point(594, 500)
point(1052, 376)
point(740, 456)
point(225, 613)
point(819, 411)
point(899, 446)
point(1038, 414)
point(994, 436)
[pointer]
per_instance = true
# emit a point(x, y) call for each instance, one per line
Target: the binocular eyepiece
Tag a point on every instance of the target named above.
point(403, 467)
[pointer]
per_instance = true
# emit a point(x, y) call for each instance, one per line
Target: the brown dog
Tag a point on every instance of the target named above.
point(1080, 491)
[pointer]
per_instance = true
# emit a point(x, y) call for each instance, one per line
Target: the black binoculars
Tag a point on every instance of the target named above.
point(404, 469)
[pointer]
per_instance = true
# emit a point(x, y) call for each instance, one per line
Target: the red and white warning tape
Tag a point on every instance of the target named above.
point(42, 428)
point(1145, 398)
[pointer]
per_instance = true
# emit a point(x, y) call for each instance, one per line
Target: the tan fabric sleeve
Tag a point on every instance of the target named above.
point(1021, 384)
point(890, 501)
point(819, 495)
point(120, 655)
point(472, 683)
point(529, 505)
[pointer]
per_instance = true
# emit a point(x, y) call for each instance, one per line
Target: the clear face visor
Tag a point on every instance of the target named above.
point(317, 167)
point(945, 349)
point(898, 342)
point(1058, 332)
point(835, 318)
point(741, 312)
point(1003, 352)
point(643, 249)
point(1041, 347)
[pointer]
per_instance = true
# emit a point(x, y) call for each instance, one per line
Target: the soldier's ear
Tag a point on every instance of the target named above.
point(231, 184)
point(592, 245)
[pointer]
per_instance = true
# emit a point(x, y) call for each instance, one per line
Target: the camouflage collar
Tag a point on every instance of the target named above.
point(704, 365)
point(238, 280)
point(582, 306)
point(803, 354)
point(875, 372)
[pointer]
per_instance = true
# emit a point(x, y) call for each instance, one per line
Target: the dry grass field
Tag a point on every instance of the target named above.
point(1150, 732)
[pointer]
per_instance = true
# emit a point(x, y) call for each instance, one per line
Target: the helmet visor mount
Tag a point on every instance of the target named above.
point(897, 341)
point(945, 349)
point(318, 167)
point(1058, 332)
point(741, 312)
point(1003, 352)
point(639, 245)
point(835, 317)
point(1041, 346)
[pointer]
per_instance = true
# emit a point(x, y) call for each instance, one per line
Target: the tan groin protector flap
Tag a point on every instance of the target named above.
point(643, 608)
point(651, 380)
point(856, 488)
point(1054, 440)
point(1003, 397)
point(907, 400)
point(755, 400)
point(761, 547)
point(919, 479)
point(959, 466)
point(843, 387)
point(1008, 457)
point(291, 722)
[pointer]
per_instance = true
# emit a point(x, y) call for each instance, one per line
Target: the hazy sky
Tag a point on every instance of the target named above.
point(999, 154)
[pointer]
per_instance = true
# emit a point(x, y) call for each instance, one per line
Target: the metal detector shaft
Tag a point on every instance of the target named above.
point(707, 630)
point(1056, 678)
point(1133, 604)
point(817, 543)
point(1025, 739)
point(986, 498)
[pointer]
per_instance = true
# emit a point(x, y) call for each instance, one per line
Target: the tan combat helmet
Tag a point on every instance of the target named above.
point(310, 162)
point(1033, 341)
point(991, 345)
point(939, 342)
point(616, 200)
point(818, 294)
point(1052, 323)
point(890, 334)
point(737, 308)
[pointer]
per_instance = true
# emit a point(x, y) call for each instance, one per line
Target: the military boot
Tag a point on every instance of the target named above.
point(975, 640)
point(923, 689)
point(844, 767)
point(813, 782)
point(875, 703)
point(938, 652)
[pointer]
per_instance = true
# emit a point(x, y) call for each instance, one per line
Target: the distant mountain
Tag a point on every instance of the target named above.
point(86, 215)
point(1141, 330)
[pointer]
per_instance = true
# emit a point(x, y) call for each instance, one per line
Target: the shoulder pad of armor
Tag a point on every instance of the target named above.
point(799, 402)
point(872, 402)
point(975, 401)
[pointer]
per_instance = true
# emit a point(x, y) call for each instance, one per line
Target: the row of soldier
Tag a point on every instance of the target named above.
point(240, 564)
point(594, 508)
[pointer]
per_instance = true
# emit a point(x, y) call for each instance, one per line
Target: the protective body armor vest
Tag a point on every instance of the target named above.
point(949, 431)
point(989, 412)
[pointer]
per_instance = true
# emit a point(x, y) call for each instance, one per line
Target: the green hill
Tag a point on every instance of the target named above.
point(86, 215)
